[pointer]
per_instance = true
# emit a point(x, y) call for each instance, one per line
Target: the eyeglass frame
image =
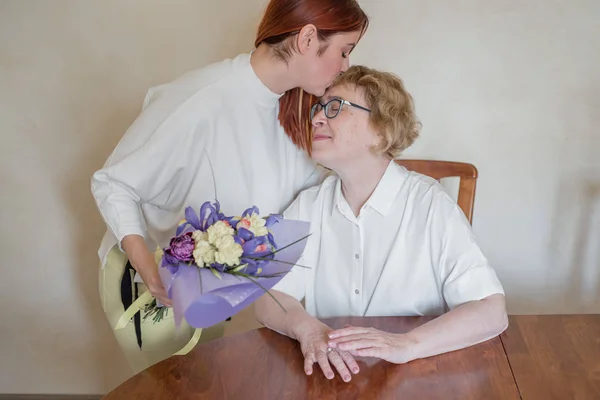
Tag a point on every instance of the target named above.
point(324, 107)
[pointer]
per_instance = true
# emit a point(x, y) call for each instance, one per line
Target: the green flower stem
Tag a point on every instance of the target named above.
point(279, 261)
point(251, 279)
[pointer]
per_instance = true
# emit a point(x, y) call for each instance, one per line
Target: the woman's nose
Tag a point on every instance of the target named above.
point(319, 119)
point(346, 64)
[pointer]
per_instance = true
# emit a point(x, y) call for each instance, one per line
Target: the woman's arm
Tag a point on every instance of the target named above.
point(154, 163)
point(466, 325)
point(290, 290)
point(293, 322)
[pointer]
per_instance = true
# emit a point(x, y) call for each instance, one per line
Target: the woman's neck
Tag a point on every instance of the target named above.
point(274, 73)
point(360, 180)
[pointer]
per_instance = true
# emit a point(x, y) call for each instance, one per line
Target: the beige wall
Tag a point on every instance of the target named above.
point(511, 86)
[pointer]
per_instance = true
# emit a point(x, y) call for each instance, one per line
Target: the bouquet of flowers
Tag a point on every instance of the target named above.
point(217, 265)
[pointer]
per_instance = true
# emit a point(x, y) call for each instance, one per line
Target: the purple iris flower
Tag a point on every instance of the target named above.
point(257, 247)
point(252, 266)
point(209, 215)
point(231, 220)
point(238, 240)
point(272, 240)
point(170, 262)
point(218, 267)
point(272, 219)
point(245, 234)
point(191, 219)
point(250, 211)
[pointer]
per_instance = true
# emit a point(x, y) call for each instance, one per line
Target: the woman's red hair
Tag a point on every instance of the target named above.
point(284, 18)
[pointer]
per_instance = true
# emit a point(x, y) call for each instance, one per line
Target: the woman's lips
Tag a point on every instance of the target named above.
point(319, 137)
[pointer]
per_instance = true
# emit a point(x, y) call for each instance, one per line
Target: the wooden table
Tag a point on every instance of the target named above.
point(555, 356)
point(551, 357)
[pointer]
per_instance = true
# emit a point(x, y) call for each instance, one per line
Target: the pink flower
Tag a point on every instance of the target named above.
point(244, 223)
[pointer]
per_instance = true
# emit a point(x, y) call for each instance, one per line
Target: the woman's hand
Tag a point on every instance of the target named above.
point(151, 278)
point(370, 342)
point(313, 342)
point(297, 324)
point(144, 263)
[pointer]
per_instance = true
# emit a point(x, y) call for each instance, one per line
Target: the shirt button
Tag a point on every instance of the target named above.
point(356, 291)
point(356, 256)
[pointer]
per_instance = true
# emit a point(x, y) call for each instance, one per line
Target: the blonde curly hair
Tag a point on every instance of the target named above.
point(392, 110)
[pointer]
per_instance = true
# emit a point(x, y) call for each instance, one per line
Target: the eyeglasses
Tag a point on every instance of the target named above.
point(332, 108)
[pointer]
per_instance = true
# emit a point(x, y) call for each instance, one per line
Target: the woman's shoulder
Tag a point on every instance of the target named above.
point(180, 100)
point(313, 197)
point(212, 80)
point(426, 190)
point(429, 200)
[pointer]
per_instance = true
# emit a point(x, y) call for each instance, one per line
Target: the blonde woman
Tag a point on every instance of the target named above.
point(385, 241)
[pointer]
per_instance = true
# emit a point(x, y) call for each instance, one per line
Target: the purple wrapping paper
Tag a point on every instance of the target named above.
point(219, 299)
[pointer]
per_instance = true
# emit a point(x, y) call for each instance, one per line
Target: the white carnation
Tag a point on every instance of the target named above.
point(228, 251)
point(204, 253)
point(218, 230)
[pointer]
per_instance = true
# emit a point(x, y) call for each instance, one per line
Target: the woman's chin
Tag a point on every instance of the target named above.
point(315, 91)
point(318, 155)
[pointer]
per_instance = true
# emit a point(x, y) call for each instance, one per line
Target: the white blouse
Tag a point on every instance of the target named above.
point(211, 134)
point(411, 251)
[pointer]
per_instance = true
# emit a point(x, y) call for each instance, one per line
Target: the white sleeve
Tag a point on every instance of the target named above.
point(294, 283)
point(157, 156)
point(467, 274)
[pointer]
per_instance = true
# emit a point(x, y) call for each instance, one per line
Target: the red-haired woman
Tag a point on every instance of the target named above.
point(237, 130)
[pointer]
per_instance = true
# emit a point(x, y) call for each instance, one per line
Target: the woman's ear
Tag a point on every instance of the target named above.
point(307, 39)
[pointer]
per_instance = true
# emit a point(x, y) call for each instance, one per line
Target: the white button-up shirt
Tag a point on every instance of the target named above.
point(410, 251)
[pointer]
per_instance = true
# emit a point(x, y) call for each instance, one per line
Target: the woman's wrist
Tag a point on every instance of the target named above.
point(137, 252)
point(304, 325)
point(411, 345)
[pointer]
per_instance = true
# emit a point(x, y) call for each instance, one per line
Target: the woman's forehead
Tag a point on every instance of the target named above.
point(341, 92)
point(349, 39)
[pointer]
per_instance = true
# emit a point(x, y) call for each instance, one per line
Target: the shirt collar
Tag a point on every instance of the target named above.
point(338, 199)
point(256, 87)
point(384, 195)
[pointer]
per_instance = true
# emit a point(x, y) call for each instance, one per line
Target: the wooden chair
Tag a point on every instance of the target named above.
point(448, 169)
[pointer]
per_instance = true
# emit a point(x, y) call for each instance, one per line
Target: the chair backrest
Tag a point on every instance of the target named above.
point(448, 169)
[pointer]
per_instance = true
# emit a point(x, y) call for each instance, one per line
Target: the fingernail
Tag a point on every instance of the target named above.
point(330, 376)
point(331, 344)
point(346, 378)
point(355, 370)
point(332, 336)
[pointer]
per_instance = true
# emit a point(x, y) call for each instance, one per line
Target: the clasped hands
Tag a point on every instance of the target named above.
point(338, 349)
